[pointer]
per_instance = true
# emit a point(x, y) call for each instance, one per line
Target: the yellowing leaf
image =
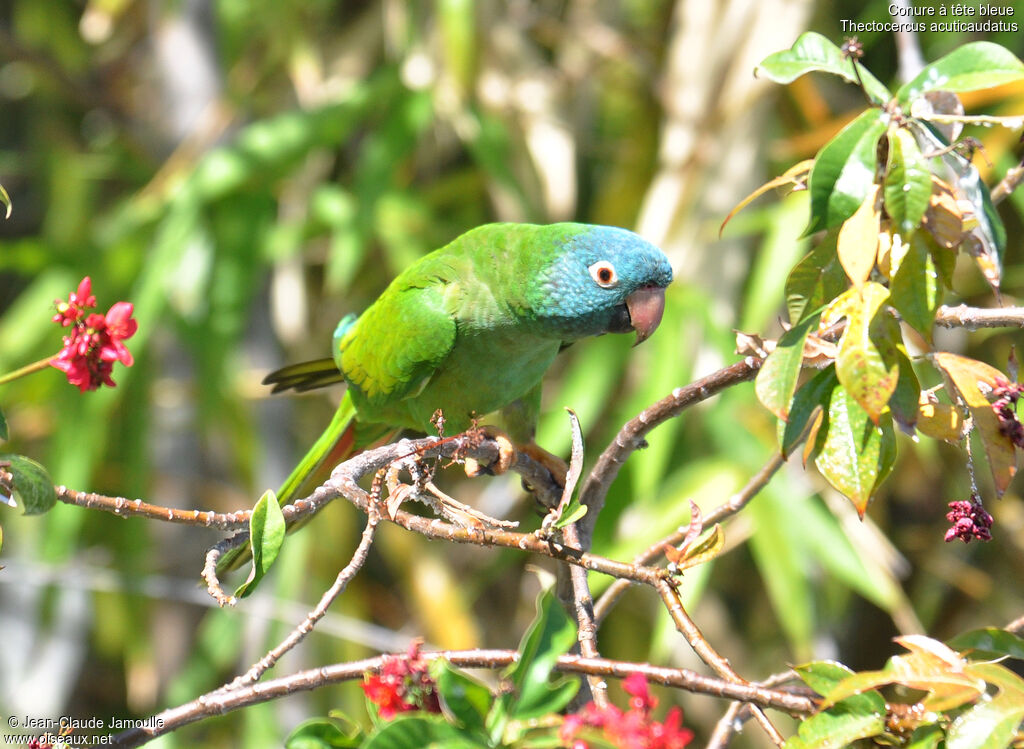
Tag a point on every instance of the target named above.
point(930, 666)
point(943, 219)
point(858, 239)
point(868, 371)
point(967, 376)
point(795, 175)
point(940, 421)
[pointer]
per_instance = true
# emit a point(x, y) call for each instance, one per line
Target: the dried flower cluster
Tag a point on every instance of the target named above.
point(628, 729)
point(1005, 396)
point(969, 520)
point(95, 341)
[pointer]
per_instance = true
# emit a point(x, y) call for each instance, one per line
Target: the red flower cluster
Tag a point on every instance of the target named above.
point(1006, 394)
point(403, 684)
point(95, 342)
point(969, 519)
point(632, 728)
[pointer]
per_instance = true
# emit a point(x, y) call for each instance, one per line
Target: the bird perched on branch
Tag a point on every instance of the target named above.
point(471, 328)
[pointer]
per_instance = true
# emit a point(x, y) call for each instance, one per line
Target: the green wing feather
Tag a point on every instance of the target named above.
point(397, 345)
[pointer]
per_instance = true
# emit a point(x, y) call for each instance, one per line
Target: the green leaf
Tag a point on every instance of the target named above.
point(992, 723)
point(905, 400)
point(814, 281)
point(967, 68)
point(6, 200)
point(463, 698)
point(573, 512)
point(3, 426)
point(31, 483)
point(266, 534)
point(420, 731)
point(813, 396)
point(856, 455)
point(776, 382)
point(989, 643)
point(822, 676)
point(925, 737)
point(868, 370)
point(915, 289)
point(844, 171)
point(551, 634)
point(320, 733)
point(908, 183)
point(813, 52)
point(856, 717)
point(838, 727)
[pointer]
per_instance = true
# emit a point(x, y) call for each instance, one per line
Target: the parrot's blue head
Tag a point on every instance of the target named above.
point(604, 280)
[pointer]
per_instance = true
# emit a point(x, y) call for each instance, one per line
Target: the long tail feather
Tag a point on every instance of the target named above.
point(336, 443)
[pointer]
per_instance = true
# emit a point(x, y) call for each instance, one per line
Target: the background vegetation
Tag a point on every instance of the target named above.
point(247, 171)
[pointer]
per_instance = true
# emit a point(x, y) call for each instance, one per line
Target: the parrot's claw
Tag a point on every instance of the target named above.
point(506, 455)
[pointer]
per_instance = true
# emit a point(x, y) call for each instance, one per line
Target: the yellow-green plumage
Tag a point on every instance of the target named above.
point(471, 328)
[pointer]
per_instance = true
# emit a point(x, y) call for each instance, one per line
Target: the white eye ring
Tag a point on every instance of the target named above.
point(604, 274)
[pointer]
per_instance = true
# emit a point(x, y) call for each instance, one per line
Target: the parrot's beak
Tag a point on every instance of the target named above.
point(646, 307)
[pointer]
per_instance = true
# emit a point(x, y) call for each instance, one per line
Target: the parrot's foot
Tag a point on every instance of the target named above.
point(557, 467)
point(507, 453)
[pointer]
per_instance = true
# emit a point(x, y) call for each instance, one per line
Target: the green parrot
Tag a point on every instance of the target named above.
point(471, 329)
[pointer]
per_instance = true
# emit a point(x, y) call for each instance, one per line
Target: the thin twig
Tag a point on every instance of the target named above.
point(631, 436)
point(696, 639)
point(725, 510)
point(1010, 181)
point(209, 573)
point(218, 703)
point(586, 624)
point(726, 726)
point(1016, 626)
point(123, 507)
point(306, 626)
point(973, 318)
point(582, 601)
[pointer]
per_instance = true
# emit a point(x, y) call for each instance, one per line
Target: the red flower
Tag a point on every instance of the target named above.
point(630, 729)
point(96, 342)
point(69, 312)
point(402, 685)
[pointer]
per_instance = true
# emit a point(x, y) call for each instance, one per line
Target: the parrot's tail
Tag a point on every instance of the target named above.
point(333, 446)
point(336, 444)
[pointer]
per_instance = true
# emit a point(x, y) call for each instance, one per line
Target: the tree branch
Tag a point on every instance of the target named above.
point(631, 436)
point(973, 318)
point(724, 511)
point(306, 626)
point(220, 702)
point(136, 507)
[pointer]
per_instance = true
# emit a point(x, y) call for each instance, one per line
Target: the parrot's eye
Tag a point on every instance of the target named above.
point(604, 274)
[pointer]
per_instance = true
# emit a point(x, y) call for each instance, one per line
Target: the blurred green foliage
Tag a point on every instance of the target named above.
point(247, 172)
